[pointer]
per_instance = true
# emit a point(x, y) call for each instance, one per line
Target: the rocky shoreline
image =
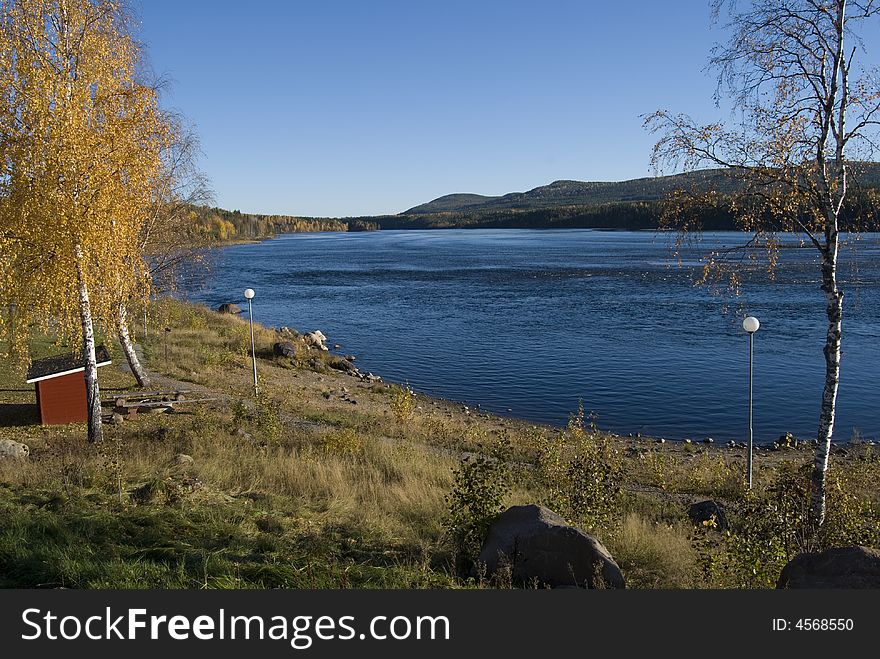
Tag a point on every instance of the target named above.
point(291, 343)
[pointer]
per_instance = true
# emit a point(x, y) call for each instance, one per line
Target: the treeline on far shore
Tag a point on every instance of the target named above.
point(219, 225)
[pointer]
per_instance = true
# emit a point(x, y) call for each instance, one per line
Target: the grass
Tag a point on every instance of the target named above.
point(326, 481)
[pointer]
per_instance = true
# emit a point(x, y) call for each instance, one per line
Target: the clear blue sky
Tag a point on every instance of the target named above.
point(338, 108)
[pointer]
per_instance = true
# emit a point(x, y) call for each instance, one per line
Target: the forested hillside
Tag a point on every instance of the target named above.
point(635, 204)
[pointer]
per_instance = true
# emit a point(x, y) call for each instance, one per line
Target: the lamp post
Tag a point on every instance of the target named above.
point(750, 325)
point(249, 294)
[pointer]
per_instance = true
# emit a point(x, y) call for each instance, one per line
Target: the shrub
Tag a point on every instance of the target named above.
point(343, 442)
point(481, 483)
point(403, 403)
point(583, 473)
point(773, 526)
point(263, 416)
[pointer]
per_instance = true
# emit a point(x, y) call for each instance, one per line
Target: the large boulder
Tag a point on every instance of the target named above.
point(13, 450)
point(840, 567)
point(229, 307)
point(540, 547)
point(702, 512)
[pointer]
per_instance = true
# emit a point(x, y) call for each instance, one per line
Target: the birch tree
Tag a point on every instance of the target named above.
point(807, 108)
point(80, 145)
point(170, 237)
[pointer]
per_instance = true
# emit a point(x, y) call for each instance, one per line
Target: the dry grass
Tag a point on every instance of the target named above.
point(652, 554)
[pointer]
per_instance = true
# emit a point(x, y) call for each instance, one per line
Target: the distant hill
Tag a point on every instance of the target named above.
point(580, 193)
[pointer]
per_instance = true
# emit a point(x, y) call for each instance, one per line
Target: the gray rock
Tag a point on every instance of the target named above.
point(702, 511)
point(539, 546)
point(316, 339)
point(229, 307)
point(284, 349)
point(13, 450)
point(345, 366)
point(785, 441)
point(317, 365)
point(840, 567)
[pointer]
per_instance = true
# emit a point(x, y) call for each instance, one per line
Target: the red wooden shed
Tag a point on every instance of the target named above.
point(61, 386)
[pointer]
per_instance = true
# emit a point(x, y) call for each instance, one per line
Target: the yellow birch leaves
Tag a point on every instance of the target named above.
point(80, 157)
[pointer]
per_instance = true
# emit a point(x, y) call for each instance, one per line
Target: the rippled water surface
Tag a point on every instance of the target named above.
point(529, 322)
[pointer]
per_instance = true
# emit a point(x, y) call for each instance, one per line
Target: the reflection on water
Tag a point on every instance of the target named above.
point(533, 321)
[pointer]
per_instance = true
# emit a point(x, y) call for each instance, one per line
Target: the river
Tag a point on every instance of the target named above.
point(529, 322)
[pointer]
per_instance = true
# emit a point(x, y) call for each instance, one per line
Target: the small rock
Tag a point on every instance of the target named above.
point(284, 349)
point(687, 441)
point(660, 441)
point(318, 366)
point(182, 460)
point(13, 450)
point(702, 512)
point(708, 440)
point(117, 419)
point(344, 366)
point(229, 307)
point(316, 339)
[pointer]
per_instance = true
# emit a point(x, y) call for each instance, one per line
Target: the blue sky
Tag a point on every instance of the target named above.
point(338, 108)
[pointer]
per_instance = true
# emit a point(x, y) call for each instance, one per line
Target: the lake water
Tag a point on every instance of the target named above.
point(528, 323)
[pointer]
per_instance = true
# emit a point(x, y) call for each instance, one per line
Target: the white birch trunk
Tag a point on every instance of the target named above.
point(131, 357)
point(834, 311)
point(93, 394)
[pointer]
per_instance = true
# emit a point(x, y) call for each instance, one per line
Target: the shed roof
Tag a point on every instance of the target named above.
point(72, 362)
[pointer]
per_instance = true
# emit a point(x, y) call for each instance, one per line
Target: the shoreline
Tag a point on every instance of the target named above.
point(475, 410)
